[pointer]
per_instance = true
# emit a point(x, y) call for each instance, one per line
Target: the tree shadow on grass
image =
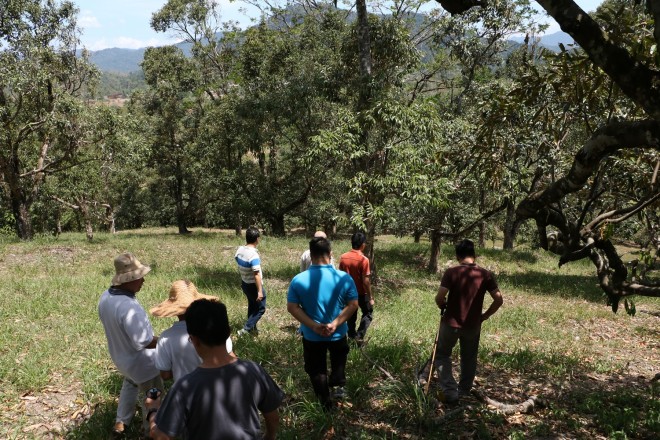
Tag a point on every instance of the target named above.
point(523, 256)
point(553, 284)
point(409, 255)
point(575, 398)
point(579, 404)
point(197, 235)
point(576, 401)
point(229, 279)
point(216, 278)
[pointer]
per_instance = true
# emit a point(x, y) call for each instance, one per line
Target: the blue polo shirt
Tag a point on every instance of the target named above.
point(323, 292)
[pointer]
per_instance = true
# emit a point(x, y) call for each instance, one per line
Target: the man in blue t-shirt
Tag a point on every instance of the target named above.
point(322, 299)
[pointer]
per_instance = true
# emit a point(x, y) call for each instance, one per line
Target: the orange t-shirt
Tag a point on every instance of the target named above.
point(356, 265)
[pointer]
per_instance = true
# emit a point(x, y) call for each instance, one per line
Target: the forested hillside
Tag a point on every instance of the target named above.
point(110, 84)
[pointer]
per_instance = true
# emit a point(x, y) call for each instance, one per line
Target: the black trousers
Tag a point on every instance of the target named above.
point(316, 365)
point(367, 316)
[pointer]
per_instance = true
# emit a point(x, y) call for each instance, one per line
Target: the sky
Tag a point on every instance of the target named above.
point(125, 23)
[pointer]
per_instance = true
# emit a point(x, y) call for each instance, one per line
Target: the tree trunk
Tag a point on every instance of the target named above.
point(436, 241)
point(109, 218)
point(417, 235)
point(84, 210)
point(21, 211)
point(482, 225)
point(542, 231)
point(277, 225)
point(369, 251)
point(510, 226)
point(180, 206)
point(58, 223)
point(19, 200)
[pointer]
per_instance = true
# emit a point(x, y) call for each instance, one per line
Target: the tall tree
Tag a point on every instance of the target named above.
point(175, 112)
point(40, 81)
point(623, 46)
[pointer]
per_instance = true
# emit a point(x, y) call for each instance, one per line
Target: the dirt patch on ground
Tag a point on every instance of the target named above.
point(51, 411)
point(16, 256)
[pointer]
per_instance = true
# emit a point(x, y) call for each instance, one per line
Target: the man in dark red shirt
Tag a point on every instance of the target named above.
point(356, 264)
point(467, 285)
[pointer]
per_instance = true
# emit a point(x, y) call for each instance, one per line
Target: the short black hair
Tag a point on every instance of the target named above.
point(207, 320)
point(319, 247)
point(251, 235)
point(358, 240)
point(465, 248)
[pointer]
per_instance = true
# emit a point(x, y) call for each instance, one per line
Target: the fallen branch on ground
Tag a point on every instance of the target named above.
point(382, 370)
point(503, 408)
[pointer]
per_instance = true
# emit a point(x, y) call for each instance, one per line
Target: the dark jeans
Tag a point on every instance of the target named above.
point(316, 365)
point(255, 308)
point(367, 316)
point(469, 343)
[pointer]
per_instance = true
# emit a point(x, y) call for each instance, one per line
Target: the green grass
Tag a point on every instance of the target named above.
point(552, 332)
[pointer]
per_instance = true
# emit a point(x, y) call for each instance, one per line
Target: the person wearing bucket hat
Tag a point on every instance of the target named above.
point(131, 339)
point(175, 355)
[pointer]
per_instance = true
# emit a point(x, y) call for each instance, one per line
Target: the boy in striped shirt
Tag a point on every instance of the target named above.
point(249, 266)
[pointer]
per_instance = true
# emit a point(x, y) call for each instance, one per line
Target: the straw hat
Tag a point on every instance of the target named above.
point(128, 268)
point(182, 294)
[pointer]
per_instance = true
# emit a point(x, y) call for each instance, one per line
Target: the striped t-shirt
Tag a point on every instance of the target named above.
point(247, 258)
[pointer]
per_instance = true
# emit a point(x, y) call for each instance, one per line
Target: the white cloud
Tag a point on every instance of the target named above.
point(127, 43)
point(97, 45)
point(88, 21)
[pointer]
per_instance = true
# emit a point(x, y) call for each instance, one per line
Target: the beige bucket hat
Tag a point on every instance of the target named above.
point(128, 268)
point(182, 294)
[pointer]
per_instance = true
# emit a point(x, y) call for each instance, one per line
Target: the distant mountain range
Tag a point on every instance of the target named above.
point(117, 60)
point(128, 60)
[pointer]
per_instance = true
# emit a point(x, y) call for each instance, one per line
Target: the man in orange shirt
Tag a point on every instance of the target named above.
point(356, 264)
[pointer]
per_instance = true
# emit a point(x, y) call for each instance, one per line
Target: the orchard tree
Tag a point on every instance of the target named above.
point(109, 166)
point(175, 112)
point(278, 80)
point(41, 78)
point(621, 40)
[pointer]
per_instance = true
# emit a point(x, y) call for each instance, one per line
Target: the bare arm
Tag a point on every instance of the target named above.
point(258, 282)
point(498, 300)
point(272, 420)
point(366, 282)
point(166, 375)
point(154, 432)
point(441, 297)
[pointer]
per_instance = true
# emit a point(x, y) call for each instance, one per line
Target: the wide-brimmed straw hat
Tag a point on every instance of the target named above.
point(128, 268)
point(182, 294)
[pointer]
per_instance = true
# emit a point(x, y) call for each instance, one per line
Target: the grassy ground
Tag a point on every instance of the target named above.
point(554, 338)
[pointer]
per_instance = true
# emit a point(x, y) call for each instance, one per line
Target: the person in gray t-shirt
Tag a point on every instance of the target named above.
point(222, 398)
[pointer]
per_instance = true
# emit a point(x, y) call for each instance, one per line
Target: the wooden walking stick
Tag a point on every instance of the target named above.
point(435, 347)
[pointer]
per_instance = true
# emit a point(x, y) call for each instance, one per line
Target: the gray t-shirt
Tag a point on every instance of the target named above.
point(219, 403)
point(128, 331)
